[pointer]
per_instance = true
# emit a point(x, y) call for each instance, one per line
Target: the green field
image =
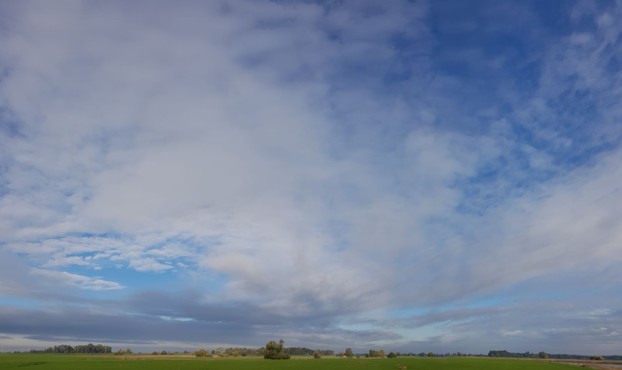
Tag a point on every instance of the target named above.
point(69, 362)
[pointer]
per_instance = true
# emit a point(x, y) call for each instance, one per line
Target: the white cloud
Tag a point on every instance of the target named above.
point(151, 137)
point(571, 224)
point(80, 281)
point(257, 142)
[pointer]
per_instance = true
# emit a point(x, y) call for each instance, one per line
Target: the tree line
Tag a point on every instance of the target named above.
point(272, 350)
point(277, 350)
point(66, 348)
point(504, 353)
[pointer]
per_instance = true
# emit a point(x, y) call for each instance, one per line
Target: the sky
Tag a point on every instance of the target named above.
point(408, 175)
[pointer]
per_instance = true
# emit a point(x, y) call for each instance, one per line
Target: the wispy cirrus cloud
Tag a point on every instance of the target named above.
point(62, 278)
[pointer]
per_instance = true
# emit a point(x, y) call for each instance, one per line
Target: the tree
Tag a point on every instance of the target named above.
point(376, 353)
point(201, 353)
point(317, 355)
point(348, 353)
point(275, 351)
point(126, 351)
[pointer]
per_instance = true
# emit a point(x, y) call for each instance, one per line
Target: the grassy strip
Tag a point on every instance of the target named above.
point(140, 362)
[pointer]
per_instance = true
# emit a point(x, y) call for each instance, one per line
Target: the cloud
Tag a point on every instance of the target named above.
point(569, 225)
point(228, 162)
point(319, 163)
point(84, 282)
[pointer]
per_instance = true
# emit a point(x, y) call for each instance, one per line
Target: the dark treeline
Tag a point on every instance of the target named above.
point(504, 353)
point(563, 356)
point(66, 348)
point(302, 351)
point(241, 351)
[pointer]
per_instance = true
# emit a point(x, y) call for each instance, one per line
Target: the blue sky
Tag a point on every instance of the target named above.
point(416, 176)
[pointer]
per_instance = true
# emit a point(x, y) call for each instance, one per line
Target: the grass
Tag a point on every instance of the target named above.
point(85, 362)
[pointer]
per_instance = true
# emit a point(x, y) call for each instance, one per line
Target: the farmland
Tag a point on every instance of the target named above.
point(103, 362)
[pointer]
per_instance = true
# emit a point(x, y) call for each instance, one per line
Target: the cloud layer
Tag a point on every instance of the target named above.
point(337, 174)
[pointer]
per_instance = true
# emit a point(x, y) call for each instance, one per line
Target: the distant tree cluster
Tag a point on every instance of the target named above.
point(303, 351)
point(122, 352)
point(66, 348)
point(507, 354)
point(347, 353)
point(202, 353)
point(242, 351)
point(275, 351)
point(375, 353)
point(543, 355)
point(236, 351)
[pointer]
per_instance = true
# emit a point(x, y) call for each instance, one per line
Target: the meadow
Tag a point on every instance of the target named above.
point(102, 362)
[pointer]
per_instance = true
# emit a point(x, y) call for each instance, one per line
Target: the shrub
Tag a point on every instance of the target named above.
point(201, 353)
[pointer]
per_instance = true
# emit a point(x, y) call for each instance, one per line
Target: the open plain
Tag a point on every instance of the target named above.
point(140, 362)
